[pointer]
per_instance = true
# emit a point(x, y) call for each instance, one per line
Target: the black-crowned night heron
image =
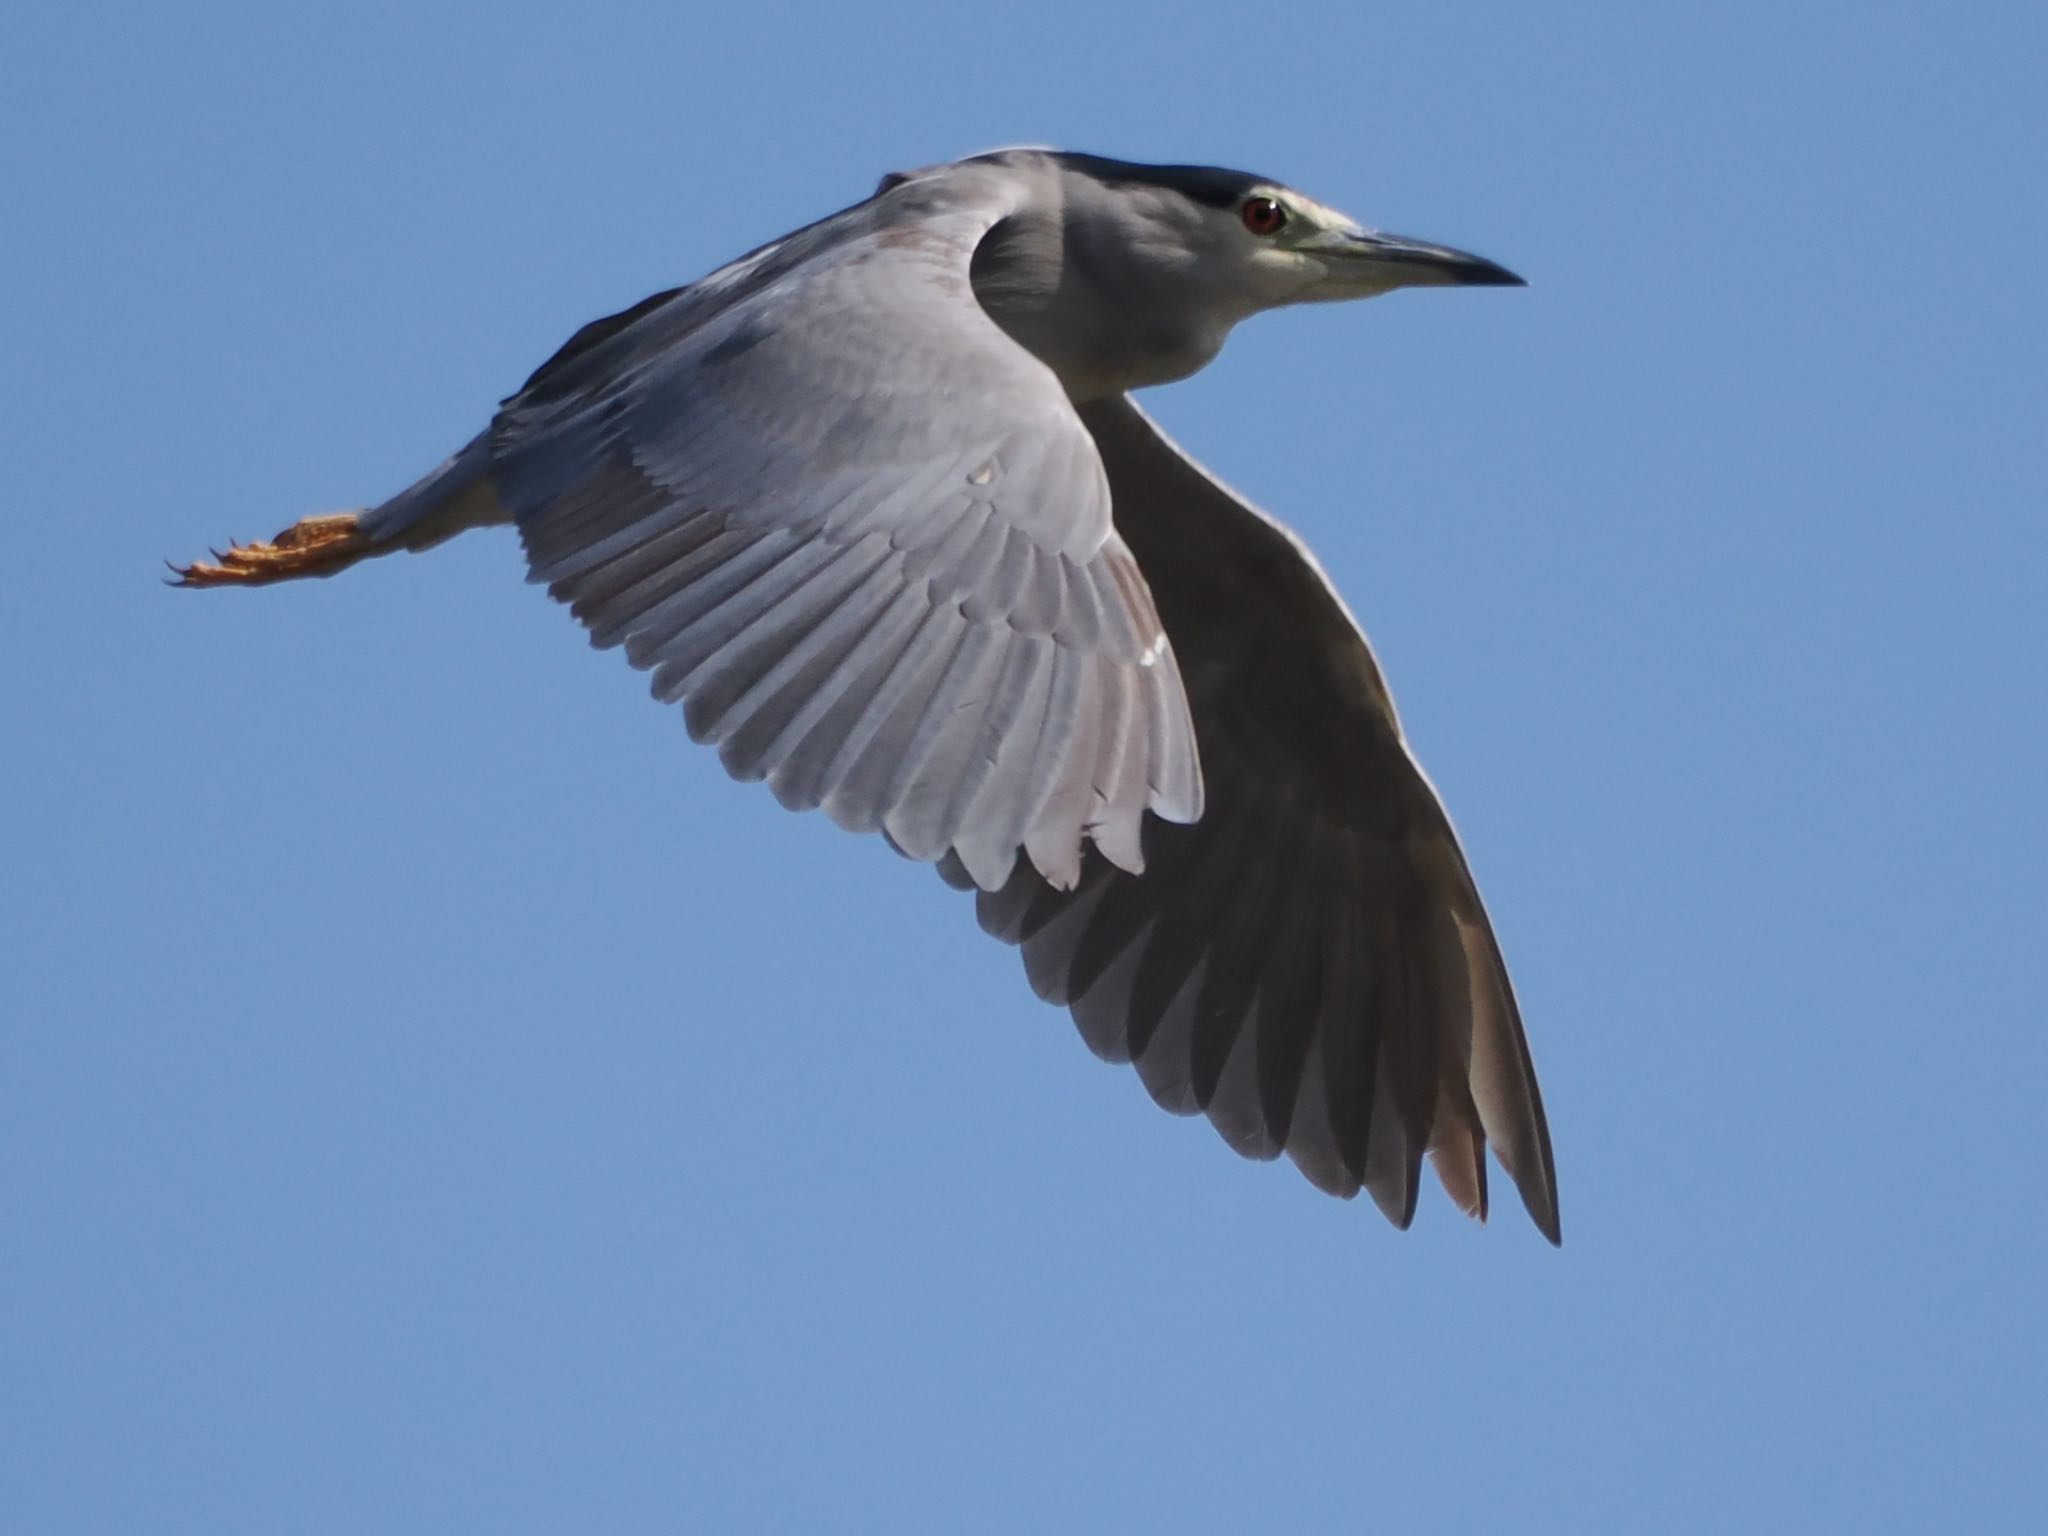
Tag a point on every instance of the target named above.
point(874, 505)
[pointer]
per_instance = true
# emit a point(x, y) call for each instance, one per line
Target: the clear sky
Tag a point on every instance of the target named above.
point(432, 1097)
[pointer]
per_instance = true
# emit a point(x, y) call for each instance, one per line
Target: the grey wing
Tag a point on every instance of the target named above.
point(1310, 964)
point(864, 539)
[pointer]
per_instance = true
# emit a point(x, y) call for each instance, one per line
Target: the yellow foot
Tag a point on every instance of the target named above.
point(313, 546)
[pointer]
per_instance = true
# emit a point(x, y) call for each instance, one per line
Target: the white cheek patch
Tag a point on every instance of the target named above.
point(1324, 214)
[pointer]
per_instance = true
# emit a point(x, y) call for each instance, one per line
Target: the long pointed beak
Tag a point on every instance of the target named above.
point(1365, 261)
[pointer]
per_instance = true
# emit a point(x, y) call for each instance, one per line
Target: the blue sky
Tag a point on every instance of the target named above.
point(433, 1097)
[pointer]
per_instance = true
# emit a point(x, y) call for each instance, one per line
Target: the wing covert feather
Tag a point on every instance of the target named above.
point(864, 539)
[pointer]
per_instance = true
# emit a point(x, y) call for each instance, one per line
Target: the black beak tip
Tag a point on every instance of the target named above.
point(1438, 265)
point(1478, 272)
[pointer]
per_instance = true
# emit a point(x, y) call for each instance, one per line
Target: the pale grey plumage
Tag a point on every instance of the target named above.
point(874, 561)
point(873, 505)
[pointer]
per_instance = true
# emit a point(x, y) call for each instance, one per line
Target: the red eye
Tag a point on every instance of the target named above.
point(1263, 216)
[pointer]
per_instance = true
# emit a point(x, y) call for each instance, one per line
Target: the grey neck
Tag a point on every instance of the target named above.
point(1104, 320)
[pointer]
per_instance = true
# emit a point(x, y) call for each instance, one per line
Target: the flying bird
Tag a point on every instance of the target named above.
point(874, 505)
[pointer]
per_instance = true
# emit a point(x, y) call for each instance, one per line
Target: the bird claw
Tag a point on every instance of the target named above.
point(313, 546)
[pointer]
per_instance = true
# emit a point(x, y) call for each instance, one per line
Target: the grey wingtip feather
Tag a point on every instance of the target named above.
point(1541, 1204)
point(1397, 1209)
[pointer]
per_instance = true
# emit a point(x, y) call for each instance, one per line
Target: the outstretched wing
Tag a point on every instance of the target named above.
point(1309, 964)
point(865, 540)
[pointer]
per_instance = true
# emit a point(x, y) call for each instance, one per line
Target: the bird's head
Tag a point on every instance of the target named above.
point(1121, 275)
point(1256, 243)
point(1292, 249)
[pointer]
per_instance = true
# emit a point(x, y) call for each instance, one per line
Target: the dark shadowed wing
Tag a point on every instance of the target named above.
point(865, 540)
point(1309, 965)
